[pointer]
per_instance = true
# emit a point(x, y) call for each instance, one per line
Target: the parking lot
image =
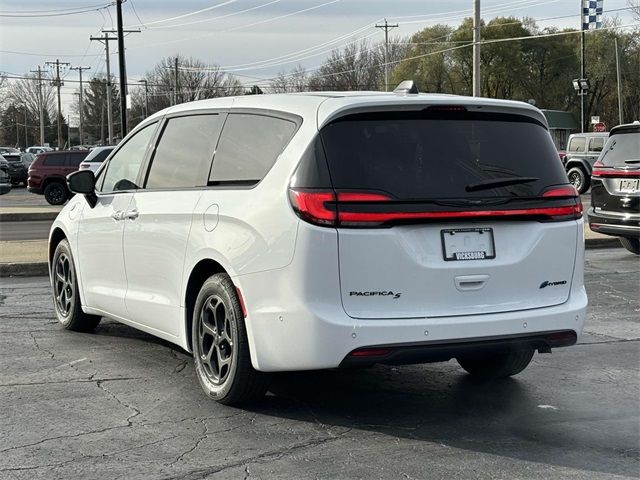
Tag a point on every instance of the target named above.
point(122, 404)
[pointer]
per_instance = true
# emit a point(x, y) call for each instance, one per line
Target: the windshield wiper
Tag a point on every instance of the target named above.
point(498, 182)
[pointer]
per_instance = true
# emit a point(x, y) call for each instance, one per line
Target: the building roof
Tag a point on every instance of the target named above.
point(561, 120)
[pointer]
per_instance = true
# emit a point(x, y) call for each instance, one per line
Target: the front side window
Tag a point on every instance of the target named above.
point(577, 144)
point(122, 171)
point(185, 151)
point(248, 148)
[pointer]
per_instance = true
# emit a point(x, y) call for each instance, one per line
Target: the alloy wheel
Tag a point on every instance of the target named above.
point(64, 284)
point(215, 339)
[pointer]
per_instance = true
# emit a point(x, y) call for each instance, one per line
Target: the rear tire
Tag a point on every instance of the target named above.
point(220, 345)
point(496, 365)
point(66, 298)
point(631, 244)
point(55, 193)
point(579, 179)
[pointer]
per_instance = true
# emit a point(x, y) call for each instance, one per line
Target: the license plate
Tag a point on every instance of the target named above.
point(629, 185)
point(468, 244)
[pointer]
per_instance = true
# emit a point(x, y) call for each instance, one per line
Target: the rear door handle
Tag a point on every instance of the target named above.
point(131, 214)
point(118, 215)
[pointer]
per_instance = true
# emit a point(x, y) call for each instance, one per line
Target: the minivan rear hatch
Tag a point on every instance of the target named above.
point(445, 211)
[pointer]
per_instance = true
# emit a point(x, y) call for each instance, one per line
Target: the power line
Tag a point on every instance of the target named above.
point(40, 15)
point(52, 10)
point(155, 22)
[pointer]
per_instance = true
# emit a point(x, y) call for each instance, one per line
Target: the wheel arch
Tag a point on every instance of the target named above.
point(200, 272)
point(578, 162)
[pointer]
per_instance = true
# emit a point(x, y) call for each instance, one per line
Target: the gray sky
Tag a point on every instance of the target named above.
point(237, 32)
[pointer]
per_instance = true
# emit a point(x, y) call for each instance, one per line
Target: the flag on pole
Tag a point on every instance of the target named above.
point(591, 14)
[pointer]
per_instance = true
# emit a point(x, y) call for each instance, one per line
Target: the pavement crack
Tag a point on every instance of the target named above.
point(204, 435)
point(35, 342)
point(136, 411)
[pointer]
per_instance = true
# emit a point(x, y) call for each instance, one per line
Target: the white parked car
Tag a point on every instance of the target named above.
point(270, 233)
point(38, 149)
point(96, 158)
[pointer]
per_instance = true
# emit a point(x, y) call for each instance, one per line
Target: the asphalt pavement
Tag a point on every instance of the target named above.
point(121, 404)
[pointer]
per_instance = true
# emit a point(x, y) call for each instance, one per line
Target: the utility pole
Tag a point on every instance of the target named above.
point(386, 27)
point(123, 70)
point(146, 96)
point(26, 138)
point(476, 48)
point(620, 115)
point(582, 68)
point(175, 93)
point(58, 84)
point(106, 39)
point(68, 132)
point(80, 102)
point(40, 104)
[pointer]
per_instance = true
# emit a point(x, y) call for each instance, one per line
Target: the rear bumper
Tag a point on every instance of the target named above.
point(442, 351)
point(620, 225)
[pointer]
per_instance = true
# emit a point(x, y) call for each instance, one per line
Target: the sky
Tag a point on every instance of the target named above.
point(249, 38)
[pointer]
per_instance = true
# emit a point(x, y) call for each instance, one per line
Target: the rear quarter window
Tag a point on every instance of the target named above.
point(577, 145)
point(248, 147)
point(74, 159)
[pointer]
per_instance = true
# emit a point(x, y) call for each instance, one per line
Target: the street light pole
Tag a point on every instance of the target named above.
point(81, 103)
point(476, 48)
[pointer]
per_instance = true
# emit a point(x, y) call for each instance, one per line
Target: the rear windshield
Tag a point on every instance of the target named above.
point(432, 155)
point(99, 157)
point(621, 150)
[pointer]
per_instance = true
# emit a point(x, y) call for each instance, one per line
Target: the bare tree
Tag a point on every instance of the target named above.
point(634, 6)
point(295, 81)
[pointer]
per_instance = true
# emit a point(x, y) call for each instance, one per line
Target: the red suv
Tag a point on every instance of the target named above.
point(48, 174)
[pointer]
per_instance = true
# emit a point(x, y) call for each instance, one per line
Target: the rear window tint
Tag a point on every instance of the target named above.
point(100, 156)
point(57, 160)
point(621, 150)
point(248, 147)
point(577, 144)
point(429, 155)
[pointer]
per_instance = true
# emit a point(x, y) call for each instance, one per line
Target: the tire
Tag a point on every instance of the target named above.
point(497, 365)
point(66, 299)
point(55, 193)
point(222, 360)
point(631, 244)
point(579, 179)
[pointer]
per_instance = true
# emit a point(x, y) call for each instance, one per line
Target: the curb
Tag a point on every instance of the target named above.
point(37, 269)
point(24, 269)
point(27, 216)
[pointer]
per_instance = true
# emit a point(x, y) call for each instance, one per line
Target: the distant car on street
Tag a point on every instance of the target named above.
point(5, 150)
point(47, 175)
point(38, 149)
point(582, 151)
point(5, 182)
point(95, 158)
point(615, 188)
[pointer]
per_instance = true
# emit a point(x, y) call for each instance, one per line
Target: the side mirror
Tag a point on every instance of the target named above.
point(83, 182)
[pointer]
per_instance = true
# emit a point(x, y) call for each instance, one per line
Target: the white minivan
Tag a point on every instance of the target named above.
point(272, 233)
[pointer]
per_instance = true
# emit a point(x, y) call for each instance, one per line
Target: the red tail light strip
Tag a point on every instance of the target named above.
point(604, 172)
point(321, 207)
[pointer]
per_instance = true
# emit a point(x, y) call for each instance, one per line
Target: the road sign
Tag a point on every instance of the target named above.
point(599, 127)
point(595, 119)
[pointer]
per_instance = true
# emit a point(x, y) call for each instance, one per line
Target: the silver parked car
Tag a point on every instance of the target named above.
point(583, 150)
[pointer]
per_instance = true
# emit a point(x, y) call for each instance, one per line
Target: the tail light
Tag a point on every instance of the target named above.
point(600, 171)
point(371, 209)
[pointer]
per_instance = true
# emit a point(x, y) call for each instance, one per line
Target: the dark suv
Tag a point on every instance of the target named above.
point(615, 187)
point(18, 163)
point(48, 174)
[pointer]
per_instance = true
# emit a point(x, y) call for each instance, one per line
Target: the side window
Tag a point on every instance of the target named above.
point(596, 144)
point(56, 160)
point(101, 156)
point(249, 147)
point(185, 151)
point(122, 171)
point(577, 144)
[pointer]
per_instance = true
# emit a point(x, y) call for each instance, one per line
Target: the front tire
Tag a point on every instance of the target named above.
point(220, 346)
point(631, 244)
point(66, 298)
point(497, 365)
point(579, 179)
point(55, 193)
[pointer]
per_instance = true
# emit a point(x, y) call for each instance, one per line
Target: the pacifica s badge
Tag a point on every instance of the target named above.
point(375, 294)
point(552, 284)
